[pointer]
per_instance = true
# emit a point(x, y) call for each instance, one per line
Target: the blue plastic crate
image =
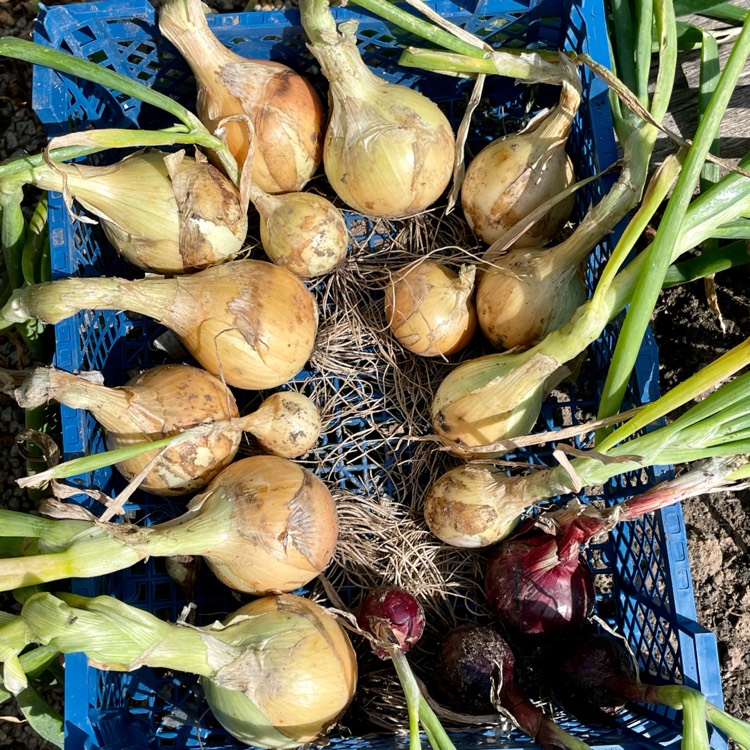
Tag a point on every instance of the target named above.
point(643, 572)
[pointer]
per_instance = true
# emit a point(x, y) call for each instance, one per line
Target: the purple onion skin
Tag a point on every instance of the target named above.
point(587, 674)
point(392, 615)
point(538, 583)
point(474, 660)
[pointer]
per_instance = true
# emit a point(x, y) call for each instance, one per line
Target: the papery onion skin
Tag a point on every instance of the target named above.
point(159, 402)
point(286, 525)
point(394, 616)
point(285, 113)
point(249, 322)
point(164, 213)
point(388, 150)
point(430, 308)
point(524, 295)
point(507, 180)
point(297, 687)
point(538, 584)
point(473, 506)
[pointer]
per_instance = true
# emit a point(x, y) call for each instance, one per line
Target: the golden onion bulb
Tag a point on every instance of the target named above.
point(430, 308)
point(286, 115)
point(295, 686)
point(525, 294)
point(281, 529)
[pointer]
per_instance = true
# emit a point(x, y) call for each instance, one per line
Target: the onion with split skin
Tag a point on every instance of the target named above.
point(388, 150)
point(167, 400)
point(430, 308)
point(285, 112)
point(512, 176)
point(164, 213)
point(248, 321)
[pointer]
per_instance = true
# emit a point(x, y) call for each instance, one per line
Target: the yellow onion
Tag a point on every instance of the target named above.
point(285, 113)
point(249, 322)
point(293, 689)
point(278, 525)
point(166, 213)
point(512, 176)
point(263, 525)
point(525, 294)
point(167, 400)
point(430, 308)
point(277, 673)
point(473, 506)
point(303, 232)
point(389, 150)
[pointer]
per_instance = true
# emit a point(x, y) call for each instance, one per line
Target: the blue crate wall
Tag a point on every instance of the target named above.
point(147, 710)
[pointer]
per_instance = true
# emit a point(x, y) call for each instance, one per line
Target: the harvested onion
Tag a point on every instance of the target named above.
point(512, 176)
point(263, 525)
point(286, 115)
point(166, 213)
point(167, 400)
point(248, 321)
point(526, 293)
point(388, 150)
point(430, 308)
point(277, 673)
point(303, 232)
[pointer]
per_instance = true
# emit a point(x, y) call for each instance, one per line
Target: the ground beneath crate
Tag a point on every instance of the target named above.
point(689, 336)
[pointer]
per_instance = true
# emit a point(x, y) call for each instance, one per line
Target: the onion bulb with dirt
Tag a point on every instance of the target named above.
point(430, 308)
point(167, 400)
point(285, 114)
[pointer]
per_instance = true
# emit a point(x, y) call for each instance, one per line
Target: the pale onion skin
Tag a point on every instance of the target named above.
point(285, 519)
point(164, 213)
point(286, 115)
point(159, 402)
point(524, 295)
point(303, 232)
point(489, 399)
point(430, 309)
point(296, 687)
point(472, 506)
point(286, 424)
point(511, 177)
point(388, 150)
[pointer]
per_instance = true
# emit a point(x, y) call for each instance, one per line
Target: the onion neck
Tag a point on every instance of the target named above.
point(337, 53)
point(54, 301)
point(557, 124)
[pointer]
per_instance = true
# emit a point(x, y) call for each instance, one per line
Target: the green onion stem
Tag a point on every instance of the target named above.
point(708, 263)
point(409, 22)
point(38, 54)
point(733, 727)
point(644, 12)
point(411, 693)
point(54, 532)
point(623, 34)
point(31, 245)
point(648, 287)
point(12, 233)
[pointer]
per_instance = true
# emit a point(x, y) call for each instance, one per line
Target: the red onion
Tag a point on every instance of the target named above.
point(478, 670)
point(393, 616)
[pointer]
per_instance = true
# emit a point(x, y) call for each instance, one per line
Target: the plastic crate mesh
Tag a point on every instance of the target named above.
point(642, 571)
